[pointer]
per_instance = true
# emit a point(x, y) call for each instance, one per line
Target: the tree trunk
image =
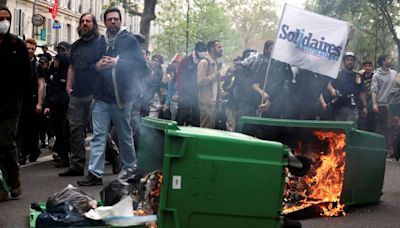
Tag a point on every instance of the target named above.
point(3, 2)
point(146, 18)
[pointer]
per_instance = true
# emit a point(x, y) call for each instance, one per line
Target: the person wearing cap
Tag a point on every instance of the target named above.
point(14, 96)
point(347, 90)
point(63, 47)
point(367, 122)
point(45, 53)
point(383, 81)
point(186, 78)
point(242, 91)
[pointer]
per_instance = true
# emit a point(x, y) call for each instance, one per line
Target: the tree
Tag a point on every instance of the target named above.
point(207, 22)
point(3, 2)
point(254, 20)
point(376, 19)
point(147, 15)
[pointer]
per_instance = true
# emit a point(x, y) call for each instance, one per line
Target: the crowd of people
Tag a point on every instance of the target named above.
point(106, 83)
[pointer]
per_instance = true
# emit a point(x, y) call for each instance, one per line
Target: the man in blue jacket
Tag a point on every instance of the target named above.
point(116, 89)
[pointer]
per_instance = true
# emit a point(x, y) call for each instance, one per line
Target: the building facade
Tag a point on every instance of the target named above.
point(64, 27)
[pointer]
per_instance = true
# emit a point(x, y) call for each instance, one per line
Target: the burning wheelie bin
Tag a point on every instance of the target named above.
point(347, 165)
point(213, 178)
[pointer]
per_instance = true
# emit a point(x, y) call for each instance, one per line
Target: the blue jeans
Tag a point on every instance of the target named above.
point(102, 115)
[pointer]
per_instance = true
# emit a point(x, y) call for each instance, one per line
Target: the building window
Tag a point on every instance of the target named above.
point(19, 19)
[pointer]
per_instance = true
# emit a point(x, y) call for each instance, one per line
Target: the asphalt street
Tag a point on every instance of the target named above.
point(40, 180)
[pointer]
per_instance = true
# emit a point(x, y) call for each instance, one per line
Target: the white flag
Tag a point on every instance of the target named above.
point(311, 41)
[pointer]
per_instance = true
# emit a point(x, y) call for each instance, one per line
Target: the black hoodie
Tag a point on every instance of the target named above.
point(15, 75)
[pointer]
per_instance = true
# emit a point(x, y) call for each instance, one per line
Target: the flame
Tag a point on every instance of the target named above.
point(322, 186)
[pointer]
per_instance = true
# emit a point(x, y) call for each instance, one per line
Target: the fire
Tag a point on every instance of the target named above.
point(147, 196)
point(322, 186)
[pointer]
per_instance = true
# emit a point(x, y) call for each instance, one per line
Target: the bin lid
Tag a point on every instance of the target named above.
point(172, 128)
point(345, 125)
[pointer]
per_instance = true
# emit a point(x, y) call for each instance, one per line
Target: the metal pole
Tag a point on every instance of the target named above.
point(33, 13)
point(270, 57)
point(265, 82)
point(187, 27)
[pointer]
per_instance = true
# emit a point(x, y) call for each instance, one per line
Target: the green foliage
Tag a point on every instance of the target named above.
point(374, 22)
point(128, 5)
point(237, 23)
point(207, 22)
point(253, 19)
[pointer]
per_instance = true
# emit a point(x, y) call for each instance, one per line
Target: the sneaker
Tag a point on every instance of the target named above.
point(90, 180)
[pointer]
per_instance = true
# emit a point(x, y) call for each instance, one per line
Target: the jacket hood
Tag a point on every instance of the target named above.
point(111, 41)
point(3, 7)
point(381, 71)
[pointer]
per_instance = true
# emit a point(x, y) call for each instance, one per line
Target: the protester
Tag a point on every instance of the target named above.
point(16, 95)
point(45, 53)
point(346, 92)
point(28, 126)
point(274, 96)
point(81, 75)
point(115, 90)
point(56, 104)
point(188, 111)
point(367, 119)
point(171, 102)
point(242, 91)
point(154, 97)
point(208, 81)
point(382, 83)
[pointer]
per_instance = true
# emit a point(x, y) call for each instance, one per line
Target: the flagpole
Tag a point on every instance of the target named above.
point(270, 57)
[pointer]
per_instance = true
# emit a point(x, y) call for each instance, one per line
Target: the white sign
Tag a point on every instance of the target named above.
point(311, 41)
point(176, 182)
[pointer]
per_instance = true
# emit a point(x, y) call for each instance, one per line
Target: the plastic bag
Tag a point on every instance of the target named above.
point(80, 200)
point(114, 192)
point(64, 215)
point(118, 189)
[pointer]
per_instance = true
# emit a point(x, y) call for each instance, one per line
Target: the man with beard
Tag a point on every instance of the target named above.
point(81, 75)
point(209, 77)
point(382, 83)
point(16, 75)
point(116, 89)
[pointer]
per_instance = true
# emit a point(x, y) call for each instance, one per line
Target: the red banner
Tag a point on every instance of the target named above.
point(54, 10)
